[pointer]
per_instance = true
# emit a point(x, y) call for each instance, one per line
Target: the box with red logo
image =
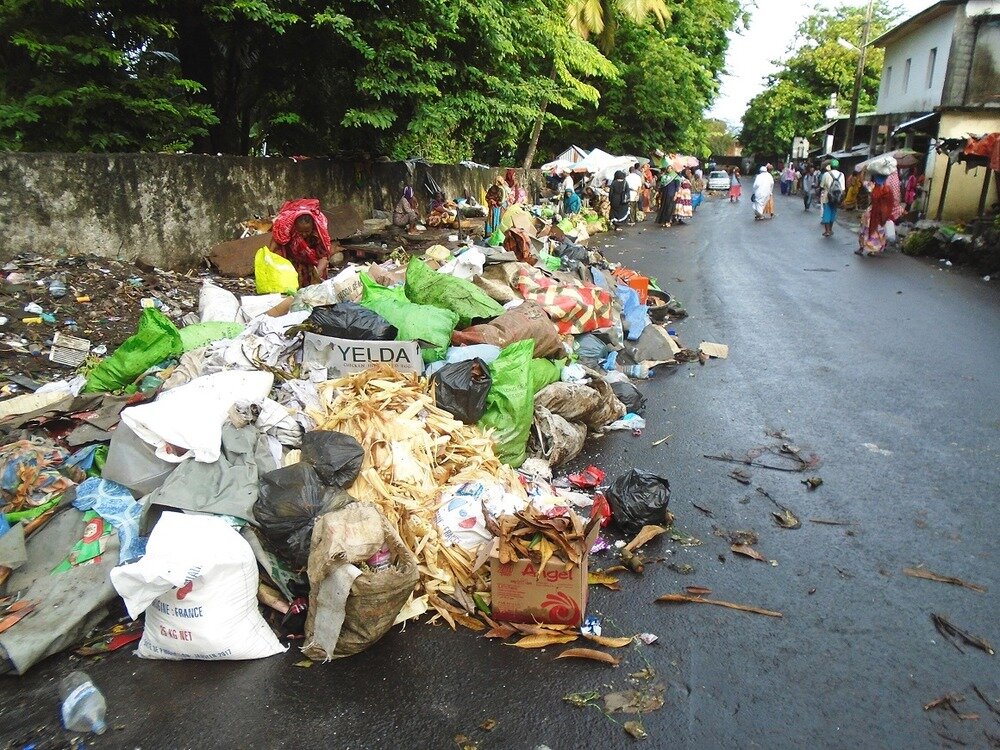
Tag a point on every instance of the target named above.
point(556, 595)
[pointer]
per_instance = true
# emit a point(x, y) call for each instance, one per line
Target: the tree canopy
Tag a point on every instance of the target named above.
point(442, 79)
point(818, 64)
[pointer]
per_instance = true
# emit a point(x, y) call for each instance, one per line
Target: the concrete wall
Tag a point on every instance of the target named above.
point(167, 209)
point(914, 95)
point(964, 188)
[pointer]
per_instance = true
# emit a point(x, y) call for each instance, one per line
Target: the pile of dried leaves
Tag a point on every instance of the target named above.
point(414, 451)
point(529, 534)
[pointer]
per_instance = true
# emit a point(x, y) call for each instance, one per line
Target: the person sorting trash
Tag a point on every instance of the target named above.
point(300, 235)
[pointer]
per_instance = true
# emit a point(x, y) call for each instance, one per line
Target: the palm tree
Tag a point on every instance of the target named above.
point(597, 18)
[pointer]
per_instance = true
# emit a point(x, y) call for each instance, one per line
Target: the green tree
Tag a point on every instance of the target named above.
point(818, 65)
point(718, 139)
point(667, 78)
point(77, 75)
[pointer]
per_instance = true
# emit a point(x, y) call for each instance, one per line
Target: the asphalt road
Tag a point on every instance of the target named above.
point(886, 368)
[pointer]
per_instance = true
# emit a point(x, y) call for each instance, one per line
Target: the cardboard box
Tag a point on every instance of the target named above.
point(346, 357)
point(555, 595)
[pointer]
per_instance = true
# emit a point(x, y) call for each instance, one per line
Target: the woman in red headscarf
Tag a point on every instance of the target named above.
point(300, 235)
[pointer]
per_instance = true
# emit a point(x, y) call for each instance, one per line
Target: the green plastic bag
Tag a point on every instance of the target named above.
point(155, 339)
point(429, 325)
point(274, 274)
point(510, 402)
point(544, 372)
point(496, 239)
point(201, 334)
point(426, 286)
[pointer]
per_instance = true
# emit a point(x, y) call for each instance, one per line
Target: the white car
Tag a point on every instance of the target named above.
point(718, 180)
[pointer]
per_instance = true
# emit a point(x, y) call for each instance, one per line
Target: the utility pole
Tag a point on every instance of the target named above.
point(858, 76)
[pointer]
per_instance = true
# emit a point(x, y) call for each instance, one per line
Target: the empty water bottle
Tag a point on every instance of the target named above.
point(83, 705)
point(57, 287)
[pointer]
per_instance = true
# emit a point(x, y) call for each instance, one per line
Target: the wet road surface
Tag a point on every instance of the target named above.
point(886, 368)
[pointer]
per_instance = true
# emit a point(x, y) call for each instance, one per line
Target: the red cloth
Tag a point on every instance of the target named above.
point(881, 208)
point(988, 146)
point(303, 252)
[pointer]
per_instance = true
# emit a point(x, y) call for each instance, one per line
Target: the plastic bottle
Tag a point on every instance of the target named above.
point(57, 288)
point(637, 371)
point(83, 705)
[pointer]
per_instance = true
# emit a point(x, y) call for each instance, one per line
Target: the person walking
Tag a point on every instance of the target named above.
point(735, 188)
point(618, 196)
point(634, 181)
point(810, 181)
point(762, 197)
point(831, 194)
point(670, 182)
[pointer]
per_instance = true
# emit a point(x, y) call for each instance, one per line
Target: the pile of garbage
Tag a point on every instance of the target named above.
point(350, 455)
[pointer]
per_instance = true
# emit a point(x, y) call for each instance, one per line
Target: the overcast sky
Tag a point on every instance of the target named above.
point(772, 27)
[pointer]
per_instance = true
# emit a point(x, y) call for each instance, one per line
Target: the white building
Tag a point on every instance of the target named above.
point(941, 81)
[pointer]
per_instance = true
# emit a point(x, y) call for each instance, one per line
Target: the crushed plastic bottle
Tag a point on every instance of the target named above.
point(57, 287)
point(83, 706)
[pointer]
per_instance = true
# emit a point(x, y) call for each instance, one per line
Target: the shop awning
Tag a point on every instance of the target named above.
point(917, 122)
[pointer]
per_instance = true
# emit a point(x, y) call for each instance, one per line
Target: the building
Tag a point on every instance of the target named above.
point(941, 84)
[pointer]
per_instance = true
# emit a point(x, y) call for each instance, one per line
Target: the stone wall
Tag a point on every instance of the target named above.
point(167, 210)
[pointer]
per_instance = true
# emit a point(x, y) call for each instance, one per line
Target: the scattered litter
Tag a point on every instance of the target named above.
point(591, 654)
point(953, 633)
point(812, 482)
point(685, 598)
point(921, 572)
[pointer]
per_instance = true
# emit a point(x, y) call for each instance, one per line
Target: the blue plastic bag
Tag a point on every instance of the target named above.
point(114, 503)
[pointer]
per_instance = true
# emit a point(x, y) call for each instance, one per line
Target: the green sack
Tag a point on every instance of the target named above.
point(201, 334)
point(155, 339)
point(544, 372)
point(426, 286)
point(496, 239)
point(510, 402)
point(429, 325)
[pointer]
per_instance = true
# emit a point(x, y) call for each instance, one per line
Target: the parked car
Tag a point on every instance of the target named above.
point(718, 180)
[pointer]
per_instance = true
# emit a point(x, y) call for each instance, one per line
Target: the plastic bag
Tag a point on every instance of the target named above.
point(593, 404)
point(553, 438)
point(155, 339)
point(544, 372)
point(526, 321)
point(290, 500)
point(460, 517)
point(350, 609)
point(425, 286)
point(890, 231)
point(629, 395)
point(217, 304)
point(349, 320)
point(335, 456)
point(202, 334)
point(197, 585)
point(429, 325)
point(638, 498)
point(274, 273)
point(461, 389)
point(509, 403)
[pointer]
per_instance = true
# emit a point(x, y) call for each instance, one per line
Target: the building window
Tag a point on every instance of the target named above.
point(931, 59)
point(906, 73)
point(888, 80)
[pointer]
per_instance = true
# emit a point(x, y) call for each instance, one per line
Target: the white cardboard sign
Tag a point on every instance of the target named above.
point(346, 357)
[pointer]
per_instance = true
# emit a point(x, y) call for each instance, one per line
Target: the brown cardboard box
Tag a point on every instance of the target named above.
point(556, 595)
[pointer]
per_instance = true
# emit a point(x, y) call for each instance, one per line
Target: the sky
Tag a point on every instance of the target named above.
point(772, 28)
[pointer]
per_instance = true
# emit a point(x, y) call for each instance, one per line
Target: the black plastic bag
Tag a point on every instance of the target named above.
point(629, 395)
point(637, 499)
point(461, 388)
point(289, 501)
point(349, 320)
point(336, 457)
